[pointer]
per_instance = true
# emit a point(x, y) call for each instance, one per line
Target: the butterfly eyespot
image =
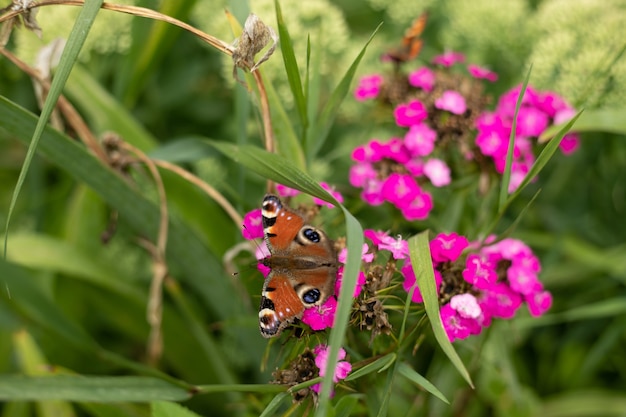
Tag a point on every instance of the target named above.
point(311, 296)
point(311, 235)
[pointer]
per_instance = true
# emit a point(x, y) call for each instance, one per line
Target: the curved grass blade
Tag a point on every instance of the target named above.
point(610, 120)
point(271, 408)
point(410, 374)
point(321, 126)
point(379, 365)
point(74, 43)
point(422, 266)
point(170, 409)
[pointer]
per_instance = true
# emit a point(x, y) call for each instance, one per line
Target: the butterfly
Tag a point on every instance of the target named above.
point(411, 42)
point(303, 267)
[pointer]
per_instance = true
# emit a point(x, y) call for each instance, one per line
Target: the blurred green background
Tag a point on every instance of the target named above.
point(74, 301)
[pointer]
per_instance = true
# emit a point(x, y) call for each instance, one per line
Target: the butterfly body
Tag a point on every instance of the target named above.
point(303, 267)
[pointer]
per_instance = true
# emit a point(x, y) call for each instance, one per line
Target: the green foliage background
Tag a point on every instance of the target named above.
point(70, 301)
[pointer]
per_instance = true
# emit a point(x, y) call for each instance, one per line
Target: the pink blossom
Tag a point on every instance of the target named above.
point(321, 317)
point(479, 271)
point(285, 191)
point(252, 225)
point(451, 101)
point(415, 166)
point(376, 236)
point(453, 323)
point(564, 115)
point(501, 301)
point(361, 173)
point(365, 256)
point(423, 78)
point(370, 152)
point(400, 188)
point(437, 172)
point(531, 121)
point(420, 139)
point(261, 253)
point(508, 101)
point(409, 114)
point(372, 192)
point(332, 192)
point(447, 247)
point(368, 87)
point(342, 369)
point(396, 150)
point(569, 143)
point(409, 281)
point(550, 103)
point(482, 73)
point(538, 303)
point(360, 282)
point(398, 247)
point(523, 280)
point(518, 173)
point(447, 59)
point(466, 305)
point(492, 142)
point(418, 208)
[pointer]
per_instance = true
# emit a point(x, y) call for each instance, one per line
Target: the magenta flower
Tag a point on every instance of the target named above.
point(419, 208)
point(332, 192)
point(523, 280)
point(252, 225)
point(376, 236)
point(321, 359)
point(551, 103)
point(569, 143)
point(420, 139)
point(372, 192)
point(365, 256)
point(437, 172)
point(396, 150)
point(285, 191)
point(423, 78)
point(501, 301)
point(261, 253)
point(492, 143)
point(447, 247)
point(538, 303)
point(531, 121)
point(482, 73)
point(368, 87)
point(409, 282)
point(479, 271)
point(370, 152)
point(361, 173)
point(451, 101)
point(447, 59)
point(360, 282)
point(410, 114)
point(455, 326)
point(399, 189)
point(321, 317)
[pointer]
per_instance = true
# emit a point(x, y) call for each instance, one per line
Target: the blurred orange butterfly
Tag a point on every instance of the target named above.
point(411, 42)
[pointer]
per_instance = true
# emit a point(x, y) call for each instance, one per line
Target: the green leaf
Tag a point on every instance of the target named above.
point(70, 53)
point(100, 389)
point(409, 373)
point(272, 407)
point(425, 278)
point(291, 67)
point(345, 406)
point(597, 120)
point(169, 409)
point(321, 127)
point(584, 403)
point(379, 364)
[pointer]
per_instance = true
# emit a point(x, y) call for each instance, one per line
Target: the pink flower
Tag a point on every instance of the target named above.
point(400, 188)
point(420, 139)
point(437, 172)
point(321, 317)
point(285, 191)
point(538, 303)
point(261, 253)
point(455, 326)
point(370, 152)
point(531, 121)
point(466, 305)
point(569, 143)
point(501, 301)
point(409, 282)
point(550, 103)
point(410, 114)
point(368, 87)
point(396, 150)
point(523, 280)
point(447, 247)
point(482, 73)
point(372, 192)
point(479, 272)
point(342, 369)
point(252, 225)
point(447, 59)
point(423, 78)
point(398, 247)
point(360, 282)
point(492, 142)
point(419, 208)
point(361, 173)
point(376, 236)
point(451, 101)
point(332, 192)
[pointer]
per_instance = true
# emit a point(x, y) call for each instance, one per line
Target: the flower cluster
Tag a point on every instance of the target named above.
point(490, 282)
point(342, 369)
point(442, 114)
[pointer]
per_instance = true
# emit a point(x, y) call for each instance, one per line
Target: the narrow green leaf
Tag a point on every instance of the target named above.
point(597, 120)
point(379, 364)
point(383, 408)
point(272, 407)
point(345, 406)
point(291, 67)
point(89, 388)
point(169, 409)
point(422, 266)
point(613, 307)
point(413, 376)
point(506, 175)
point(75, 41)
point(584, 403)
point(319, 131)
